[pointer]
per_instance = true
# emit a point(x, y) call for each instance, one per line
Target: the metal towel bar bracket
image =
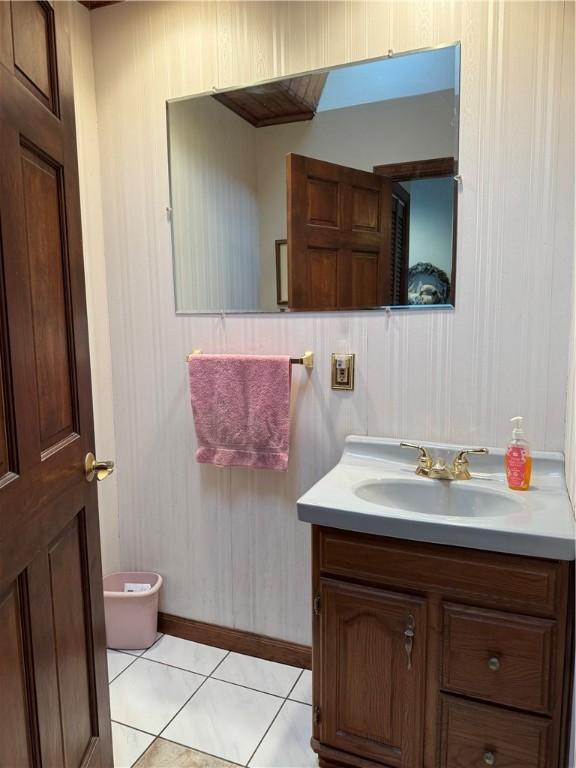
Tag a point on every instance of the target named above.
point(307, 359)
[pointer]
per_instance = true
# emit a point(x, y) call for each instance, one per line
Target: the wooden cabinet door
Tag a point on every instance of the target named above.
point(371, 692)
point(54, 708)
point(339, 236)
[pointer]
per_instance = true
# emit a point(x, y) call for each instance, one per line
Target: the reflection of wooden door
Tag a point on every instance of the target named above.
point(372, 686)
point(54, 707)
point(338, 236)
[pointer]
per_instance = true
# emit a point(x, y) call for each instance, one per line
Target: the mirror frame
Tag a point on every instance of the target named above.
point(283, 310)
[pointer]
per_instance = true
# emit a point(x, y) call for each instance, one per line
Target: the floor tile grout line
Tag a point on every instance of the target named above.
point(280, 708)
point(133, 727)
point(196, 750)
point(158, 735)
point(142, 652)
point(194, 694)
point(284, 698)
point(172, 666)
point(122, 671)
point(295, 684)
point(143, 753)
point(211, 675)
point(249, 688)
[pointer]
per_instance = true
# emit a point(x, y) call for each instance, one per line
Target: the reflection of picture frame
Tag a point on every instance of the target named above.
point(281, 271)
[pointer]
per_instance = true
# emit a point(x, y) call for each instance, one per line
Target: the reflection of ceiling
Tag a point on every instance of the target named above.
point(394, 78)
point(93, 4)
point(285, 101)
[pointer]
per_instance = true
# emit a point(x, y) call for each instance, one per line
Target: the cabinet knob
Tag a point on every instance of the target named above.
point(489, 758)
point(494, 665)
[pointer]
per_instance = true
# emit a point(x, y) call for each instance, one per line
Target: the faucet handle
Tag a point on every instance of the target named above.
point(423, 451)
point(460, 467)
point(424, 460)
point(462, 454)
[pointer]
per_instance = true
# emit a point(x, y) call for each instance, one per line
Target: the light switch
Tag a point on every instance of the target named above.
point(342, 370)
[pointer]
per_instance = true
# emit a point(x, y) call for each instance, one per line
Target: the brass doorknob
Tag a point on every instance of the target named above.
point(97, 469)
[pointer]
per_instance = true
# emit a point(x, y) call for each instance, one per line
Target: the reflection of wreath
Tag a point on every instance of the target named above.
point(428, 284)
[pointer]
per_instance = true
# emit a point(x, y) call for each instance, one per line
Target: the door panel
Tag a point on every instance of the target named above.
point(47, 260)
point(371, 700)
point(53, 660)
point(364, 281)
point(14, 743)
point(365, 209)
point(346, 213)
point(68, 574)
point(323, 268)
point(323, 207)
point(34, 48)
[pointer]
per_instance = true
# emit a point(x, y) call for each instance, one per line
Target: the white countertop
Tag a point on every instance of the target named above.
point(541, 525)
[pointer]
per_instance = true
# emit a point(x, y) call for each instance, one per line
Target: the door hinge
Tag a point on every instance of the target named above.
point(316, 715)
point(316, 605)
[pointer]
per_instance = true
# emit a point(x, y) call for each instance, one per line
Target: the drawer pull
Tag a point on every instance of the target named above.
point(494, 665)
point(409, 639)
point(489, 758)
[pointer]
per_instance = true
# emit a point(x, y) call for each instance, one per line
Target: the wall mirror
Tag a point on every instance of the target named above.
point(330, 190)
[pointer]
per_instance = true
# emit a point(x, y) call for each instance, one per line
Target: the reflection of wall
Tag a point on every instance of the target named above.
point(431, 222)
point(214, 202)
point(415, 128)
point(228, 541)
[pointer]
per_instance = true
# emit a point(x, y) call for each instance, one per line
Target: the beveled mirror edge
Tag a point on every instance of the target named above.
point(287, 311)
point(299, 313)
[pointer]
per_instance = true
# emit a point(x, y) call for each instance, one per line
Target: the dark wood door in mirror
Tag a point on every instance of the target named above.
point(339, 236)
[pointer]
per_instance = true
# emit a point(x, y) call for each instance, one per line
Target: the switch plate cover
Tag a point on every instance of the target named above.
point(342, 370)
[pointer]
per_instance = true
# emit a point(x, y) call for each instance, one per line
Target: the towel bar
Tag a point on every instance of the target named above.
point(307, 359)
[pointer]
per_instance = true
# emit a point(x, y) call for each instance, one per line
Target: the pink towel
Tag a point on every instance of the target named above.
point(241, 407)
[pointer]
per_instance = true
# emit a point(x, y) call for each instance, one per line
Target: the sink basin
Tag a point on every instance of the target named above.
point(374, 489)
point(437, 497)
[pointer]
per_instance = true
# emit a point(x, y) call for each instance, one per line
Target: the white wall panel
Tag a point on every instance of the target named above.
point(95, 269)
point(228, 541)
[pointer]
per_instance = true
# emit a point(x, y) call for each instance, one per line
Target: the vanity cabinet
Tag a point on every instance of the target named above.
point(427, 656)
point(372, 671)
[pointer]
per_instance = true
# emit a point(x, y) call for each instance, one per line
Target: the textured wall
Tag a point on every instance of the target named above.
point(228, 541)
point(95, 267)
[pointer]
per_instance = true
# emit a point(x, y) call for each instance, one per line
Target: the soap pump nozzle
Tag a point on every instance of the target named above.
point(517, 431)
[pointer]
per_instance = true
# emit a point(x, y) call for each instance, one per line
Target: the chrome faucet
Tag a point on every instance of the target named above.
point(437, 469)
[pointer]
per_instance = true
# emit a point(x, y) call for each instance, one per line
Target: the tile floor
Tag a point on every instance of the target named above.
point(181, 704)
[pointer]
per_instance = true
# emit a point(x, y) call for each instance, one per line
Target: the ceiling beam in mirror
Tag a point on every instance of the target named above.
point(93, 4)
point(418, 169)
point(284, 101)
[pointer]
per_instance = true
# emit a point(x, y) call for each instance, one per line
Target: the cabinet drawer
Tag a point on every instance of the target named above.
point(499, 657)
point(477, 736)
point(492, 580)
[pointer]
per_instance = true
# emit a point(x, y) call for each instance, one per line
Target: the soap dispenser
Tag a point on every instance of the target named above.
point(518, 460)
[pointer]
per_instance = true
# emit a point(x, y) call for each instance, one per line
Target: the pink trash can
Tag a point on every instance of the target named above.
point(131, 617)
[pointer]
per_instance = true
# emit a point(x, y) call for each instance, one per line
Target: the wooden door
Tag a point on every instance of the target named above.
point(54, 708)
point(372, 683)
point(339, 236)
